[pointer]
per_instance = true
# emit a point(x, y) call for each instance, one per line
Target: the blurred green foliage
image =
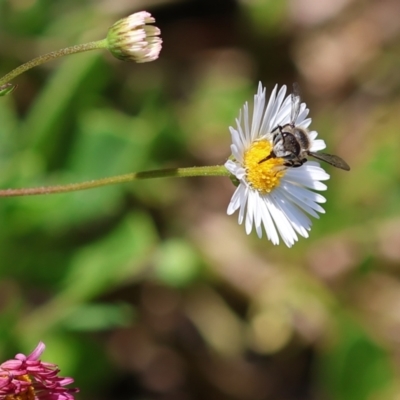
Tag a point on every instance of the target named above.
point(149, 290)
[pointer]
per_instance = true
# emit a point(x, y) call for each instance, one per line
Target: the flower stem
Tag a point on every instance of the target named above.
point(99, 44)
point(217, 170)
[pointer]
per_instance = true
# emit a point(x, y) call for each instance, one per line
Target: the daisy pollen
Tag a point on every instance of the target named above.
point(264, 176)
point(28, 378)
point(271, 196)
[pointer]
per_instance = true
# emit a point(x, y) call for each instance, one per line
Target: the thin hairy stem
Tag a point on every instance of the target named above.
point(79, 48)
point(217, 170)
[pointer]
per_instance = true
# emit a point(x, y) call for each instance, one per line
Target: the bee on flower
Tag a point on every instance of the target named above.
point(276, 183)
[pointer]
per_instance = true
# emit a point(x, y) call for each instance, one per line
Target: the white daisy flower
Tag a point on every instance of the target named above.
point(270, 196)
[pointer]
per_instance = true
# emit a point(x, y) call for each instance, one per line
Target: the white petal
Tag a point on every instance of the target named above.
point(285, 229)
point(236, 138)
point(237, 155)
point(300, 222)
point(243, 202)
point(259, 103)
point(276, 107)
point(269, 226)
point(235, 202)
point(309, 177)
point(314, 170)
point(318, 145)
point(283, 116)
point(301, 118)
point(231, 166)
point(246, 124)
point(250, 213)
point(302, 193)
point(306, 123)
point(257, 215)
point(313, 134)
point(305, 199)
point(266, 126)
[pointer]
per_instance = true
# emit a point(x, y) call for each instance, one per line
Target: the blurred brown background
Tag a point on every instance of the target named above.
point(149, 290)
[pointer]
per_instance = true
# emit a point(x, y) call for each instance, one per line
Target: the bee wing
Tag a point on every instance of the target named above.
point(336, 161)
point(296, 100)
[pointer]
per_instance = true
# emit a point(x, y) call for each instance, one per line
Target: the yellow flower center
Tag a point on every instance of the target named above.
point(27, 394)
point(266, 175)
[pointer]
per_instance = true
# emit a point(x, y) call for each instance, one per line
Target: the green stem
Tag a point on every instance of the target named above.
point(217, 170)
point(79, 48)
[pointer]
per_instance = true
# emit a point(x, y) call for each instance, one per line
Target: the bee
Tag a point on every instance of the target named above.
point(292, 143)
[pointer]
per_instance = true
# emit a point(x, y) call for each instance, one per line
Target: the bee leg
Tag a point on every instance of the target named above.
point(269, 156)
point(290, 163)
point(278, 127)
point(295, 163)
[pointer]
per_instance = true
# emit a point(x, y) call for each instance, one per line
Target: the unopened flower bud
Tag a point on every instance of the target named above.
point(131, 38)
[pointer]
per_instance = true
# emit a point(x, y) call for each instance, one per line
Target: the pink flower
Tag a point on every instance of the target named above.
point(28, 378)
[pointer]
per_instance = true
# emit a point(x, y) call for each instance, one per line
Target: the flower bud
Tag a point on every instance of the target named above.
point(131, 38)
